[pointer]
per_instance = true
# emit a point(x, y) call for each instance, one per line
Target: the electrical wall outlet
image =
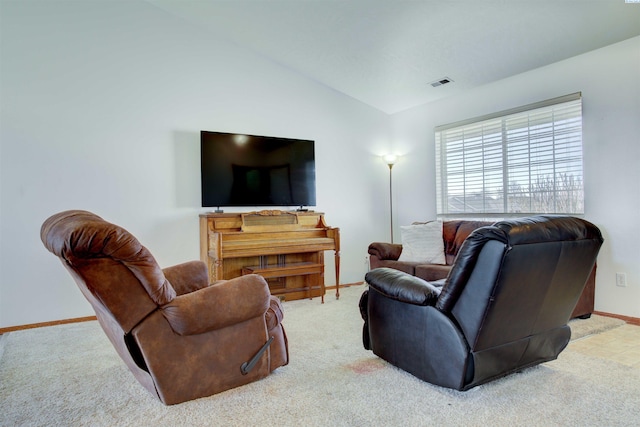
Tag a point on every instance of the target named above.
point(621, 279)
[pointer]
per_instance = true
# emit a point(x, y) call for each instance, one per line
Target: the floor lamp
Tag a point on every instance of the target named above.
point(390, 160)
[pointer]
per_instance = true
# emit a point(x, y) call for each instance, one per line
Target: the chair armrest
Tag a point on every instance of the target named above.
point(402, 286)
point(222, 304)
point(274, 314)
point(385, 251)
point(187, 277)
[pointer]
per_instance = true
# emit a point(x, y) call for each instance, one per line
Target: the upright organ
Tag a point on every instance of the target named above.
point(286, 248)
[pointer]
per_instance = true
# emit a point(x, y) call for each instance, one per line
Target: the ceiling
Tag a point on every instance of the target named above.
point(386, 53)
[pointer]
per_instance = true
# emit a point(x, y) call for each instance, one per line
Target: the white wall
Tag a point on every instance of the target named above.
point(102, 104)
point(609, 81)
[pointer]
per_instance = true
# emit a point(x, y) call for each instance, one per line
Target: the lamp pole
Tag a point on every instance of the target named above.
point(391, 198)
point(390, 160)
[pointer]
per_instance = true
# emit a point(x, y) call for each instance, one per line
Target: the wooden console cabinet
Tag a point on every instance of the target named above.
point(286, 248)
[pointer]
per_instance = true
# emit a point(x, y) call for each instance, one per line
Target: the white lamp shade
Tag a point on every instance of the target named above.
point(390, 159)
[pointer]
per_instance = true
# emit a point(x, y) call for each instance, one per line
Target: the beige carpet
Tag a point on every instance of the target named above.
point(70, 375)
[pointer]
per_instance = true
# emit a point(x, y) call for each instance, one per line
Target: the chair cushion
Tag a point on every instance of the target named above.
point(78, 237)
point(225, 303)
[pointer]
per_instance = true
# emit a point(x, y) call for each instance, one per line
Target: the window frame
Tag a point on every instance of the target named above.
point(565, 134)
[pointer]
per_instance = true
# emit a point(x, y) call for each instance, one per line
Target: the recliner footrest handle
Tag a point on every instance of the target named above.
point(248, 366)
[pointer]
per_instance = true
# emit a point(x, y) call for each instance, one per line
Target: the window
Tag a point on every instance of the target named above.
point(522, 161)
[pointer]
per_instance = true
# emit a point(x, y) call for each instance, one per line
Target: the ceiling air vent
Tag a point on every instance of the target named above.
point(440, 82)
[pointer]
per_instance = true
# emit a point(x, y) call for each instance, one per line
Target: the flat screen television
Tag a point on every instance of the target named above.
point(249, 170)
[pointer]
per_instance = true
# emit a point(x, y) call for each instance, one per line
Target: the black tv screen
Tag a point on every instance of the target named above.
point(249, 170)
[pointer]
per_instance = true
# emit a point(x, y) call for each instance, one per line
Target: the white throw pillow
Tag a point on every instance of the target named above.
point(422, 243)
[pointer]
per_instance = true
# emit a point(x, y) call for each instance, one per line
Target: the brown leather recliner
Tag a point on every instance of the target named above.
point(181, 337)
point(503, 307)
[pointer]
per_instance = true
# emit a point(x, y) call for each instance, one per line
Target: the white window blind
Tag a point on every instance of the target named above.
point(522, 161)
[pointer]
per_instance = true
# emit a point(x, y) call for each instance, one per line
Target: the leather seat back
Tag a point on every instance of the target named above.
point(518, 278)
point(118, 275)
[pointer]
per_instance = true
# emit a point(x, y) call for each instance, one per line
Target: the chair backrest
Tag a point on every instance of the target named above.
point(117, 275)
point(518, 278)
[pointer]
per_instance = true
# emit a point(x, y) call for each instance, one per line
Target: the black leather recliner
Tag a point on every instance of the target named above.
point(503, 307)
